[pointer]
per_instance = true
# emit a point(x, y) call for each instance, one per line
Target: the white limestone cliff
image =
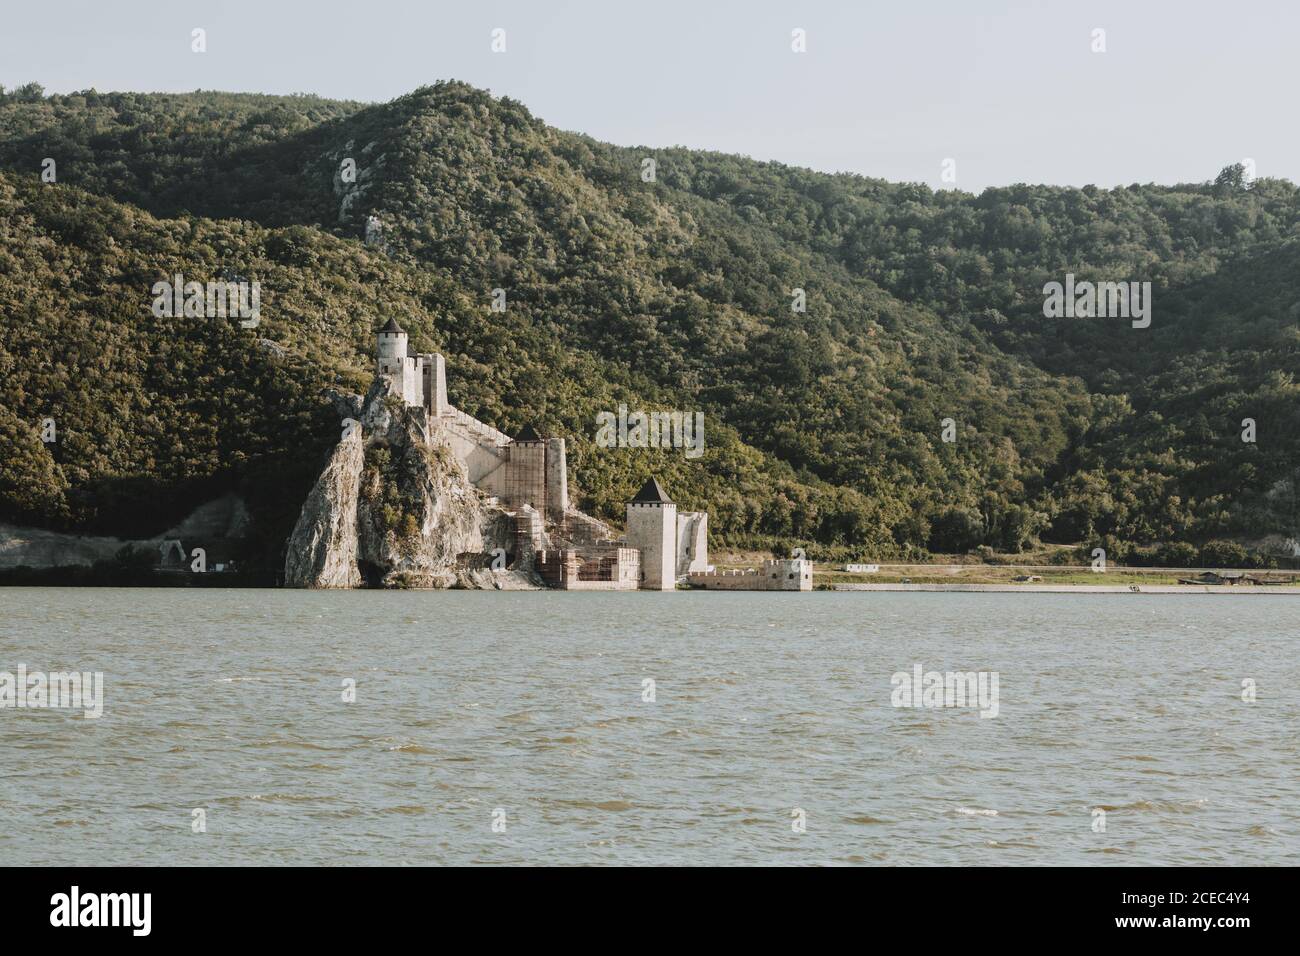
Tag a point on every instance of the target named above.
point(395, 508)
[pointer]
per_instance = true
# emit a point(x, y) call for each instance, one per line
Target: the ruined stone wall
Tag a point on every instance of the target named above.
point(485, 464)
point(750, 580)
point(692, 542)
point(580, 529)
point(791, 574)
point(604, 569)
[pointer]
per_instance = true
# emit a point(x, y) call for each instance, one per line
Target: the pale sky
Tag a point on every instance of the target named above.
point(1011, 91)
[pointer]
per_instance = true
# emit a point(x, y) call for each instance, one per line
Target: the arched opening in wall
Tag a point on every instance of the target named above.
point(372, 575)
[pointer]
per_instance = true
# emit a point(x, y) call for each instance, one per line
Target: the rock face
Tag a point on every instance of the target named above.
point(224, 518)
point(322, 550)
point(220, 523)
point(395, 508)
point(37, 548)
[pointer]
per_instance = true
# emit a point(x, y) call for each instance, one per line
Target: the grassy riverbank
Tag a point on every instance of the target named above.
point(966, 571)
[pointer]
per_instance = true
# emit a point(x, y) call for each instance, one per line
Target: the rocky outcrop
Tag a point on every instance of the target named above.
point(38, 548)
point(223, 518)
point(395, 508)
point(322, 551)
point(354, 175)
point(218, 526)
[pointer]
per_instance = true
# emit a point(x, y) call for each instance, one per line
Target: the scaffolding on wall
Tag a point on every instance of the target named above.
point(526, 475)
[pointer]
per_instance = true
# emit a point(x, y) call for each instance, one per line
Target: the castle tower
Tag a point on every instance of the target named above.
point(557, 480)
point(434, 370)
point(398, 365)
point(652, 530)
point(526, 471)
point(391, 350)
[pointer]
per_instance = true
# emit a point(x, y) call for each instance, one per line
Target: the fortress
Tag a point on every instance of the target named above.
point(528, 477)
point(527, 470)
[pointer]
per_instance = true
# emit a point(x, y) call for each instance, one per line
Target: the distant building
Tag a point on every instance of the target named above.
point(860, 568)
point(1228, 578)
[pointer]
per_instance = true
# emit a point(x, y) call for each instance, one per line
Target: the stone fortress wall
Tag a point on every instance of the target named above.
point(528, 476)
point(786, 574)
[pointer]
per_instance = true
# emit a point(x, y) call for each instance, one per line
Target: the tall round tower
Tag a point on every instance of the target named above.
point(391, 351)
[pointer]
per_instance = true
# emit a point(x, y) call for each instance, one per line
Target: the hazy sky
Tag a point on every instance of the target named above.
point(1012, 91)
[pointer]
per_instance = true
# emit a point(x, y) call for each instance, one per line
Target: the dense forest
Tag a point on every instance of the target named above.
point(825, 426)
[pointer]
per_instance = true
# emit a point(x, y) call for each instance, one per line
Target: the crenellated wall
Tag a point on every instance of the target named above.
point(789, 574)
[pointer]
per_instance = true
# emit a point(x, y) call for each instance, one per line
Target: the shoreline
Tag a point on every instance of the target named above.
point(1078, 588)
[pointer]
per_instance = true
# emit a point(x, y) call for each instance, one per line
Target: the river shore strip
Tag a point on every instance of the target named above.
point(1079, 588)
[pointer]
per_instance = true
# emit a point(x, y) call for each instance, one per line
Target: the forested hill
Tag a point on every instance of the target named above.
point(823, 426)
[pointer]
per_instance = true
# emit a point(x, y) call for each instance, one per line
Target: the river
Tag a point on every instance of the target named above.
point(646, 728)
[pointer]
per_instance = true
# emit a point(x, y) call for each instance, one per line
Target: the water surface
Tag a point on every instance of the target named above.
point(532, 704)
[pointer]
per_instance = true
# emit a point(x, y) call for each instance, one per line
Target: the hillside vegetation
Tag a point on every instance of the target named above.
point(823, 427)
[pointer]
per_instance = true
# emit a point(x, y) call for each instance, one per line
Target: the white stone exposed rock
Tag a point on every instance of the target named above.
point(395, 508)
point(38, 548)
point(223, 519)
point(322, 551)
point(273, 347)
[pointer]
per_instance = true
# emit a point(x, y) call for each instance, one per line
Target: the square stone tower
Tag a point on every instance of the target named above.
point(526, 471)
point(434, 369)
point(557, 480)
point(652, 529)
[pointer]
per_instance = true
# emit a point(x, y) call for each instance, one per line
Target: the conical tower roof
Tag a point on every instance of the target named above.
point(392, 326)
point(652, 491)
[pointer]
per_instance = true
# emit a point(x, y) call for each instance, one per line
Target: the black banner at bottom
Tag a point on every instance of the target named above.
point(303, 905)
